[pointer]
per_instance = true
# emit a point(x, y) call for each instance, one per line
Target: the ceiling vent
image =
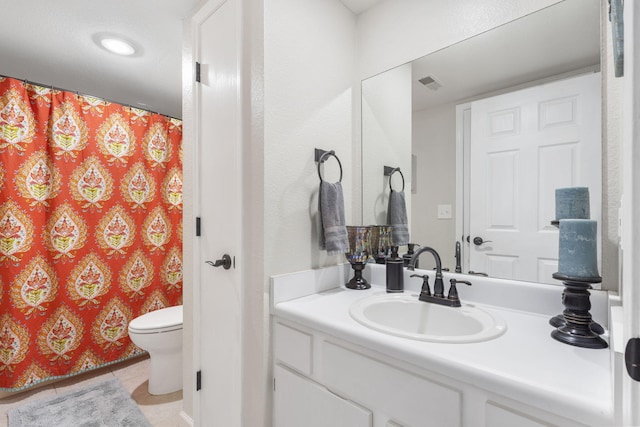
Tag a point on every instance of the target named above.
point(430, 82)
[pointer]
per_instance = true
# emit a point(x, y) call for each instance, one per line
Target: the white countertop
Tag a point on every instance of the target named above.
point(524, 364)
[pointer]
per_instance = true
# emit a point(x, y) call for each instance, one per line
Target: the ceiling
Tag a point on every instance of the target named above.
point(561, 39)
point(359, 6)
point(52, 42)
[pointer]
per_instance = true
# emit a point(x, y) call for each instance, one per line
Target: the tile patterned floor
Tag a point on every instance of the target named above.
point(161, 411)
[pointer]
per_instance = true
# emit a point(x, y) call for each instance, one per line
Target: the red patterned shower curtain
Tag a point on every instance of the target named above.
point(90, 229)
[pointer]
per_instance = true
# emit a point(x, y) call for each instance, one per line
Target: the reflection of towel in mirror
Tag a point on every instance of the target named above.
point(397, 218)
point(333, 236)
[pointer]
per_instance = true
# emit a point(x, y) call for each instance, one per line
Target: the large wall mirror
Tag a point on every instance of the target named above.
point(431, 117)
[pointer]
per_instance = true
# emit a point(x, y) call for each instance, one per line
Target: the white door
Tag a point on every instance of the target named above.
point(218, 204)
point(524, 145)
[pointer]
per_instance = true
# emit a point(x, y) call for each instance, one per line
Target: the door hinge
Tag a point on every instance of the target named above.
point(198, 226)
point(274, 384)
point(198, 72)
point(198, 380)
point(632, 358)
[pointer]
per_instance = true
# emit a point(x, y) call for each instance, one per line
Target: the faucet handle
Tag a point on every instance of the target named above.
point(426, 291)
point(454, 281)
point(477, 273)
point(453, 291)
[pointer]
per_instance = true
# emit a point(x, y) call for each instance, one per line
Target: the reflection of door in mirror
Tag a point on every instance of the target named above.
point(524, 145)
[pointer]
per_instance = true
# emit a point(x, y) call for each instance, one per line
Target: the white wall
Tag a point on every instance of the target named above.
point(434, 145)
point(309, 63)
point(309, 73)
point(386, 126)
point(256, 379)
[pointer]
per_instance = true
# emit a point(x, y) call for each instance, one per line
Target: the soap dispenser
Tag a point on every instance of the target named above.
point(395, 272)
point(407, 257)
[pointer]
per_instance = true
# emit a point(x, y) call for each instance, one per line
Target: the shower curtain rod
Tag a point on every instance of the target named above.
point(52, 87)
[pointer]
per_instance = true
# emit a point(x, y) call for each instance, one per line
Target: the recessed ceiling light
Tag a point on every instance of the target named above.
point(117, 46)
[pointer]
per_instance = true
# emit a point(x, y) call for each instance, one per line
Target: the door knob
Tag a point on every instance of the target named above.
point(224, 262)
point(478, 241)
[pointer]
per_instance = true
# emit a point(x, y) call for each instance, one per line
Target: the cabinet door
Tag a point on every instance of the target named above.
point(300, 402)
point(407, 398)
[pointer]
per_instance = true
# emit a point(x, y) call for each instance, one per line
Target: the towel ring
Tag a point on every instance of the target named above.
point(323, 158)
point(394, 170)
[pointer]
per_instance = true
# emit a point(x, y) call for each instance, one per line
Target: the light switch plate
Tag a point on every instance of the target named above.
point(444, 212)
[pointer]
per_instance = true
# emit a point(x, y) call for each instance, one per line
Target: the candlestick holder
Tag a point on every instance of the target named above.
point(558, 321)
point(358, 255)
point(577, 322)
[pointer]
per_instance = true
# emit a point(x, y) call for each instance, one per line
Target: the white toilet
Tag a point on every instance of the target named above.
point(160, 333)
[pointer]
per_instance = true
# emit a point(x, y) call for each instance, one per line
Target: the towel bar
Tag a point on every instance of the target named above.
point(321, 156)
point(388, 171)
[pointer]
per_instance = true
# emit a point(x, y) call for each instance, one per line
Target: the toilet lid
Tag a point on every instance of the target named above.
point(163, 320)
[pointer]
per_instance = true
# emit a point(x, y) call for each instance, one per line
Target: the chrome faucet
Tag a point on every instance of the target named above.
point(438, 297)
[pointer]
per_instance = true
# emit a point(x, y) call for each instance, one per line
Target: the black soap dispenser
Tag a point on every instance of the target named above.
point(407, 257)
point(395, 272)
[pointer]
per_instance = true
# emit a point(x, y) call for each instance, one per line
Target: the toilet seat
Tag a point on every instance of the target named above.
point(158, 321)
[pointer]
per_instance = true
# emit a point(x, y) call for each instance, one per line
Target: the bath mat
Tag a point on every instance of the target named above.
point(103, 404)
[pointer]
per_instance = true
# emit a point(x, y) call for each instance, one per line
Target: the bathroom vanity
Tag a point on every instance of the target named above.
point(330, 370)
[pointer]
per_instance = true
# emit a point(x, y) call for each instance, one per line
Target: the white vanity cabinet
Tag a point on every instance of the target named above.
point(301, 402)
point(323, 381)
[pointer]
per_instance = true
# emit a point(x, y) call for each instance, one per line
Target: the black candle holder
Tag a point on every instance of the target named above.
point(358, 254)
point(357, 281)
point(558, 320)
point(575, 327)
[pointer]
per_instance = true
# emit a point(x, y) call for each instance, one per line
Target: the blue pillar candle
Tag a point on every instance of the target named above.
point(572, 203)
point(578, 251)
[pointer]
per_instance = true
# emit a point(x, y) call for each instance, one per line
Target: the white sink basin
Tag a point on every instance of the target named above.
point(403, 315)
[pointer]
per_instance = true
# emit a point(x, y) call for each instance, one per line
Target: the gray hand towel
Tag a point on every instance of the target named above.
point(333, 236)
point(397, 218)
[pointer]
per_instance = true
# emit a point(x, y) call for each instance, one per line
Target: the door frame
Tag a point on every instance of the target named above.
point(630, 232)
point(463, 149)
